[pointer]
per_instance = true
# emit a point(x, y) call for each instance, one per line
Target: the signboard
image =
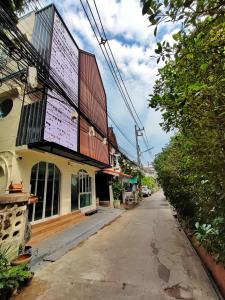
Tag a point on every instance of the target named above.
point(60, 126)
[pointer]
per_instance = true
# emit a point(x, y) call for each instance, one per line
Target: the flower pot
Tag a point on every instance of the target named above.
point(32, 199)
point(21, 259)
point(28, 281)
point(5, 294)
point(116, 203)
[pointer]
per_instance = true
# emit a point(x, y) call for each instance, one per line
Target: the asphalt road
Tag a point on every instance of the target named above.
point(142, 255)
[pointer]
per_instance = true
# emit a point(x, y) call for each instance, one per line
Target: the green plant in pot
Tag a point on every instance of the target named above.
point(117, 190)
point(12, 277)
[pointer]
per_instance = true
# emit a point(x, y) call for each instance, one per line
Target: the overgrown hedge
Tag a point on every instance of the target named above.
point(190, 93)
point(195, 190)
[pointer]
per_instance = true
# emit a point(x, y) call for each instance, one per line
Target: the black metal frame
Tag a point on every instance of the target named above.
point(56, 149)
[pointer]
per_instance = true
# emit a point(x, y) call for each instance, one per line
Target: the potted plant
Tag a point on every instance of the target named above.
point(23, 258)
point(117, 189)
point(12, 277)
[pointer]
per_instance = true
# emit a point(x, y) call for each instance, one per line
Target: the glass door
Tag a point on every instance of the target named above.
point(45, 183)
point(74, 192)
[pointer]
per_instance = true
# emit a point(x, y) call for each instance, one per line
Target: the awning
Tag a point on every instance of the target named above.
point(113, 172)
point(133, 180)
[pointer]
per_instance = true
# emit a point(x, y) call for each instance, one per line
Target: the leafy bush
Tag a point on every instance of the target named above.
point(12, 277)
point(190, 94)
point(117, 189)
point(195, 189)
point(150, 182)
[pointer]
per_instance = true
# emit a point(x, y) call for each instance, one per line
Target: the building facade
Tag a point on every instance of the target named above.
point(54, 145)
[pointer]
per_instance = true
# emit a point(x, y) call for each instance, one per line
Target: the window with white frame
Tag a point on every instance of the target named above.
point(85, 192)
point(45, 183)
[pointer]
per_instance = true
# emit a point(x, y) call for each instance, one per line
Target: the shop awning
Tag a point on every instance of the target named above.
point(133, 180)
point(113, 172)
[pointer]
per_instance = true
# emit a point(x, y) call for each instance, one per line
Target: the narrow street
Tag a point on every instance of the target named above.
point(142, 255)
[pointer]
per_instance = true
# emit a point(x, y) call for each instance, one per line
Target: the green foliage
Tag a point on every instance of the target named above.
point(150, 182)
point(192, 179)
point(3, 259)
point(209, 235)
point(14, 5)
point(12, 277)
point(203, 232)
point(131, 168)
point(188, 14)
point(190, 95)
point(190, 88)
point(117, 189)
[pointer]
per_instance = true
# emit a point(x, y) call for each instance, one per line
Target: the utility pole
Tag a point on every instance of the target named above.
point(137, 134)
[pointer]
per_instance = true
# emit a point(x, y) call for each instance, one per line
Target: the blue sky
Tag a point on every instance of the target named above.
point(132, 42)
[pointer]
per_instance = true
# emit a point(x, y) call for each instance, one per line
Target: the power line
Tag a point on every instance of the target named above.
point(34, 55)
point(45, 20)
point(118, 70)
point(104, 41)
point(108, 61)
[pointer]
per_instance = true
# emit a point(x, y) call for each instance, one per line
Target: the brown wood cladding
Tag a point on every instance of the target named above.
point(92, 146)
point(92, 93)
point(93, 105)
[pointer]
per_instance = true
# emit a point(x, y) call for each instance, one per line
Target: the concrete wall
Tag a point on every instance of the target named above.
point(8, 133)
point(9, 124)
point(26, 25)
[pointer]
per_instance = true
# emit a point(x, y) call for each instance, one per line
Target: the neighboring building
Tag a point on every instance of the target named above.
point(113, 147)
point(104, 177)
point(150, 171)
point(54, 147)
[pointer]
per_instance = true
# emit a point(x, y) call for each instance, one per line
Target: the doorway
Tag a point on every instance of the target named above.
point(74, 192)
point(81, 190)
point(45, 183)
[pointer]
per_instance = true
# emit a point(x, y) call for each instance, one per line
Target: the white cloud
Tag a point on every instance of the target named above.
point(125, 18)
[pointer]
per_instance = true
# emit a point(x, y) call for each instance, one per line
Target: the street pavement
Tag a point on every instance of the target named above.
point(56, 246)
point(141, 256)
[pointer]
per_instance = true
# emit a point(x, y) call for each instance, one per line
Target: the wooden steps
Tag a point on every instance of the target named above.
point(45, 229)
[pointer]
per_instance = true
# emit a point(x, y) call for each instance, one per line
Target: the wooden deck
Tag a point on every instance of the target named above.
point(45, 229)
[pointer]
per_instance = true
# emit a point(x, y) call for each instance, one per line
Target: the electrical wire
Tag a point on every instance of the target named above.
point(47, 26)
point(116, 65)
point(35, 53)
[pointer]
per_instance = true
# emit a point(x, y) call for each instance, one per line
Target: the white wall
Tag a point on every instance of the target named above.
point(24, 159)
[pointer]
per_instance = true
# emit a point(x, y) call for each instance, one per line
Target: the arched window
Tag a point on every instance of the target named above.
point(5, 107)
point(84, 188)
point(45, 183)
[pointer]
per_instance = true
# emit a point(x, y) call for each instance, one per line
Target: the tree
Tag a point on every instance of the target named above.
point(190, 94)
point(149, 182)
point(188, 14)
point(14, 5)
